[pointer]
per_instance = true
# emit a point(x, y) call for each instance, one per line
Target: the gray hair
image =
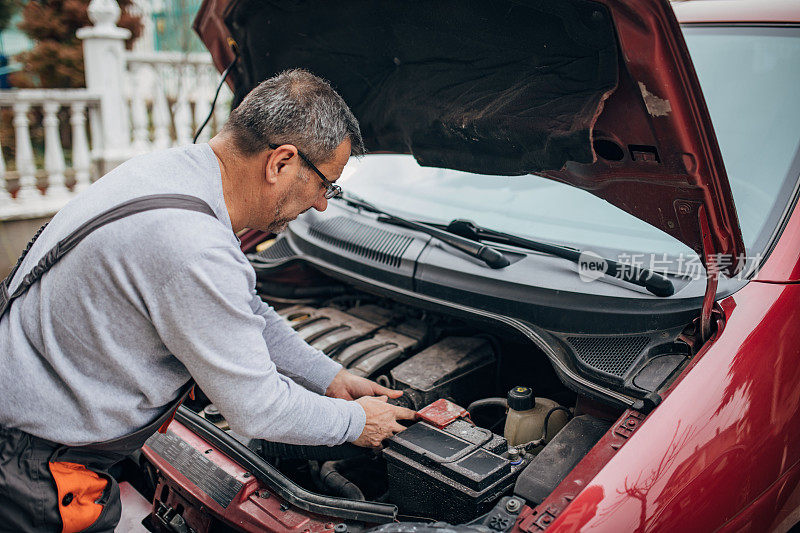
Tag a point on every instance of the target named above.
point(294, 107)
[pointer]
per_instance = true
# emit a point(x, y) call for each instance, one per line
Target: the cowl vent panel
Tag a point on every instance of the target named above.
point(279, 250)
point(373, 243)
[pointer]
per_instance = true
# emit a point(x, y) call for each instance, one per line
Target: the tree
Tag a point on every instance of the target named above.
point(57, 58)
point(7, 10)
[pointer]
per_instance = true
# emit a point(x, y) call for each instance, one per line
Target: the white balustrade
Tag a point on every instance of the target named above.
point(184, 83)
point(54, 163)
point(183, 110)
point(26, 167)
point(136, 102)
point(81, 158)
point(104, 70)
point(5, 196)
point(222, 109)
point(161, 118)
point(29, 201)
point(96, 130)
point(202, 107)
point(139, 122)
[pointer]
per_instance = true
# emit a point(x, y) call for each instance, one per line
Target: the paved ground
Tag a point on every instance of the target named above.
point(14, 235)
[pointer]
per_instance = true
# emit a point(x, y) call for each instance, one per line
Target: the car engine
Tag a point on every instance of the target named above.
point(456, 374)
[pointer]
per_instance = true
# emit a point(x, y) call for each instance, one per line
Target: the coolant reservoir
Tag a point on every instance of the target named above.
point(526, 414)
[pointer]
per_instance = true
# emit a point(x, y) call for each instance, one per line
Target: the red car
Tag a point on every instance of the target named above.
point(646, 291)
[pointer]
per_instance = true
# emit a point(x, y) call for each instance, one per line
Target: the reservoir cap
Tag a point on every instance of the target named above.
point(521, 398)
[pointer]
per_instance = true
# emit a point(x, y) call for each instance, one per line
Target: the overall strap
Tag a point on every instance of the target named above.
point(103, 454)
point(7, 282)
point(131, 207)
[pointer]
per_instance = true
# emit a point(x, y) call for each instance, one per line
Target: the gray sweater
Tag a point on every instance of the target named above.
point(107, 338)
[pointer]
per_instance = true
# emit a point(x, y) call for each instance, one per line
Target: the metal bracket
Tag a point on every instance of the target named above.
point(171, 519)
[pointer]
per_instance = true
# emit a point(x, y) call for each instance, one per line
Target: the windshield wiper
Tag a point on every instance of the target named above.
point(469, 246)
point(654, 282)
point(466, 236)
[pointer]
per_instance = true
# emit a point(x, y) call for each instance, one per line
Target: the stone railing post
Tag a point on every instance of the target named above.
point(26, 166)
point(5, 196)
point(81, 159)
point(141, 134)
point(53, 152)
point(104, 64)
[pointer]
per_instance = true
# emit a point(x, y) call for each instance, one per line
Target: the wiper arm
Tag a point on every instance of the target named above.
point(471, 247)
point(652, 281)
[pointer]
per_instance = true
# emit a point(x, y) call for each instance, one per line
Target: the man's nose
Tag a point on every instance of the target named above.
point(321, 204)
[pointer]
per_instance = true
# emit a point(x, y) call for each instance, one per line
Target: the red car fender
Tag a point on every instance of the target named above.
point(724, 445)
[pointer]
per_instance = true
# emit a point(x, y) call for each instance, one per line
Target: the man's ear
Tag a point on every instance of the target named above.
point(280, 161)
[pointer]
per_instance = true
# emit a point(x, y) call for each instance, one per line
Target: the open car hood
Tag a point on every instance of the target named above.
point(601, 95)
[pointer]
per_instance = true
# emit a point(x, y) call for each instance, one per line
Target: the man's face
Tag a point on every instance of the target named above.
point(306, 190)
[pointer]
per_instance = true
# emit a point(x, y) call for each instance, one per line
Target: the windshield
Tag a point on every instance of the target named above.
point(749, 76)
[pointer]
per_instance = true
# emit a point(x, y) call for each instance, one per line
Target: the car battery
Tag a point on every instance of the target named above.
point(452, 473)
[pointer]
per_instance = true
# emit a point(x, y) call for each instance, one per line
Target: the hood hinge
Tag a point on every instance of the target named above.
point(712, 275)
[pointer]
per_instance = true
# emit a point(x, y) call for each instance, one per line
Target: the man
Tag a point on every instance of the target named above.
point(98, 349)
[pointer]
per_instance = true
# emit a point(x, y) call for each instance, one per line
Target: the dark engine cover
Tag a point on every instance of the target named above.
point(559, 457)
point(454, 367)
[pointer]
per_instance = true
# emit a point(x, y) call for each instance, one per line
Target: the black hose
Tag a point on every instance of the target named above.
point(543, 440)
point(488, 402)
point(216, 95)
point(550, 412)
point(312, 453)
point(337, 483)
point(287, 489)
point(410, 399)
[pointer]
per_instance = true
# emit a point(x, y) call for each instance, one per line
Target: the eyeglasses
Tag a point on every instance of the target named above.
point(331, 189)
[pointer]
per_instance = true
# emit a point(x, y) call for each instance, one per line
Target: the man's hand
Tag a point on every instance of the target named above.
point(351, 387)
point(382, 420)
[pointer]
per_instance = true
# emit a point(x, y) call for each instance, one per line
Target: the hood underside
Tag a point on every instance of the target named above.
point(600, 95)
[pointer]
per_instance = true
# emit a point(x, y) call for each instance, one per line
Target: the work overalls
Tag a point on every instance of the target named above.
point(44, 485)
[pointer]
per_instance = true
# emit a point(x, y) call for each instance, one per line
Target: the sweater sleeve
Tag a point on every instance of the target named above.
point(293, 356)
point(204, 316)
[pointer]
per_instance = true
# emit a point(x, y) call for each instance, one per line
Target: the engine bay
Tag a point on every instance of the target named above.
point(499, 427)
point(488, 405)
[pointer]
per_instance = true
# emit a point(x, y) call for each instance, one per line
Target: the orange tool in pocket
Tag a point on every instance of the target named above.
point(79, 490)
